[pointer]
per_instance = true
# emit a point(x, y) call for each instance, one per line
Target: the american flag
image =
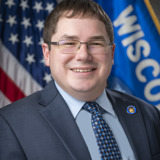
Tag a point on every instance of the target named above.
point(22, 68)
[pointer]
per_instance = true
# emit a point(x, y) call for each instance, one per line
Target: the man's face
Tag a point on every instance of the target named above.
point(80, 74)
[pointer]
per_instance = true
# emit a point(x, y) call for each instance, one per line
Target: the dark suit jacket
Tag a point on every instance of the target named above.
point(41, 127)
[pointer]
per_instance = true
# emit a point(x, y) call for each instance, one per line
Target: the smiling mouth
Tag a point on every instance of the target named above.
point(82, 70)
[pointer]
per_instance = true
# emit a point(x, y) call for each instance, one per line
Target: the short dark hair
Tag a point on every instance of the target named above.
point(76, 8)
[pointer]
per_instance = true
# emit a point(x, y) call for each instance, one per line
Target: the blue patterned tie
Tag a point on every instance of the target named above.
point(107, 144)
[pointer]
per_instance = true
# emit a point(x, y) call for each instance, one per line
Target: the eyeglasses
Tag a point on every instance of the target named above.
point(72, 46)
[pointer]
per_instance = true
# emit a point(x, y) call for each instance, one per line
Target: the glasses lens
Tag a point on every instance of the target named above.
point(68, 46)
point(98, 47)
point(94, 47)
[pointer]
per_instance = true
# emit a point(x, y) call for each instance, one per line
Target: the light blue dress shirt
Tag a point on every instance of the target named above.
point(83, 120)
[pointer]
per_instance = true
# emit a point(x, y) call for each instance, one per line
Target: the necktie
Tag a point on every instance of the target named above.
point(107, 144)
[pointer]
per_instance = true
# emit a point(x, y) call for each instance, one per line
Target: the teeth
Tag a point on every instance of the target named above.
point(82, 70)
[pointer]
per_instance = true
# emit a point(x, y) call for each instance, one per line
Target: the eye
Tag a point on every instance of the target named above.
point(96, 44)
point(69, 43)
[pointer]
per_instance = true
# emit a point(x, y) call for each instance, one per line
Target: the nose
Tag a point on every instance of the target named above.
point(83, 53)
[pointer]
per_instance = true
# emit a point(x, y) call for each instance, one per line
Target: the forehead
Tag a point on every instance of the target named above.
point(82, 28)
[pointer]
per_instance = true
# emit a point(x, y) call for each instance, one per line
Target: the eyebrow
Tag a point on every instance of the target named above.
point(65, 36)
point(99, 37)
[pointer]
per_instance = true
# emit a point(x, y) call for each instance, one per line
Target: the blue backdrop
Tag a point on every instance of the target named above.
point(137, 56)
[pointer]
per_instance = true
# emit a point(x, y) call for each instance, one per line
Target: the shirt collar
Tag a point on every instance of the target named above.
point(104, 102)
point(75, 105)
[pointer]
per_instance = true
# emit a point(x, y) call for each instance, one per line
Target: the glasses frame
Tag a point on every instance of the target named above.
point(57, 43)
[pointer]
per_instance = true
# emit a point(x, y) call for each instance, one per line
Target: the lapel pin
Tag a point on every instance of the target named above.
point(131, 109)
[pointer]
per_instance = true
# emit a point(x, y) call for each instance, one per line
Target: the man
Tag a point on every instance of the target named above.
point(55, 123)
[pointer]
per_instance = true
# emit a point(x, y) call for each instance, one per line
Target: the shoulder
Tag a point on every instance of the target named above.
point(125, 97)
point(146, 108)
point(31, 102)
point(21, 106)
point(29, 108)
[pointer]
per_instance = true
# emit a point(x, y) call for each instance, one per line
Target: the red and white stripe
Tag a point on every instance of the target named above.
point(15, 81)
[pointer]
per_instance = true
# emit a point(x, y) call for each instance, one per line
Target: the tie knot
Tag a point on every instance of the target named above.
point(92, 107)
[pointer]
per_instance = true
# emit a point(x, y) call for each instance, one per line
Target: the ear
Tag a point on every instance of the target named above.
point(113, 49)
point(46, 53)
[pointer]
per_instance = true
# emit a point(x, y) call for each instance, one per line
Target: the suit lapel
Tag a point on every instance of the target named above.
point(133, 126)
point(69, 134)
point(58, 115)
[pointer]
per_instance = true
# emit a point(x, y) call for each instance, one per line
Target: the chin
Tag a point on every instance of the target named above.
point(82, 88)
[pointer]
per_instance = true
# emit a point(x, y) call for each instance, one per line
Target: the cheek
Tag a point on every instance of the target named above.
point(105, 60)
point(59, 62)
point(106, 64)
